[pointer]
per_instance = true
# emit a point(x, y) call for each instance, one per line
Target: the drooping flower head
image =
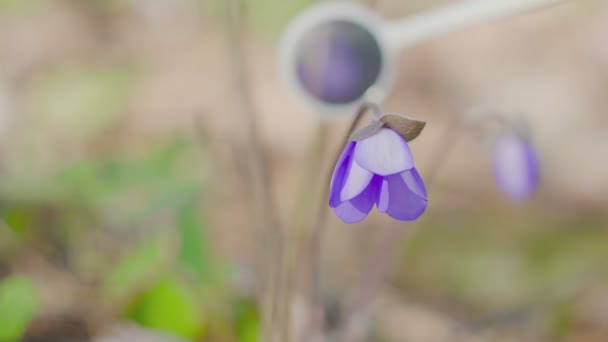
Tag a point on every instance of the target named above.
point(376, 167)
point(516, 167)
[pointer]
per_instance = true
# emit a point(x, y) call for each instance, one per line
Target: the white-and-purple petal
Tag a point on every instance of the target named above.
point(357, 179)
point(384, 153)
point(403, 196)
point(414, 182)
point(382, 202)
point(339, 175)
point(357, 208)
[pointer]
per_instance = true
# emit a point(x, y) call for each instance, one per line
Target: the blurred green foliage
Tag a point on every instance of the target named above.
point(131, 221)
point(194, 251)
point(18, 304)
point(561, 320)
point(79, 101)
point(20, 6)
point(171, 305)
point(69, 110)
point(138, 267)
point(129, 189)
point(167, 279)
point(266, 17)
point(18, 218)
point(247, 321)
point(110, 4)
point(273, 22)
point(503, 266)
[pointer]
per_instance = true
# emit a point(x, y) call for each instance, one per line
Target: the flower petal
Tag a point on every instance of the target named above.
point(515, 167)
point(384, 153)
point(404, 203)
point(356, 209)
point(357, 179)
point(414, 182)
point(338, 178)
point(348, 213)
point(382, 202)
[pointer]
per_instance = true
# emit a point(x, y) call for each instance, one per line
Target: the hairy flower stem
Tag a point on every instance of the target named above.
point(267, 225)
point(297, 234)
point(311, 251)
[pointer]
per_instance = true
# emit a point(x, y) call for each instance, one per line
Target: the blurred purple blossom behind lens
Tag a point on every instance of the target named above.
point(338, 61)
point(377, 170)
point(516, 168)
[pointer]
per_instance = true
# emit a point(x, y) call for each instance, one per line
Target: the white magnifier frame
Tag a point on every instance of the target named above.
point(391, 36)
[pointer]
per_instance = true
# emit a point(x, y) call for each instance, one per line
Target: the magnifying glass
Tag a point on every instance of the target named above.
point(336, 55)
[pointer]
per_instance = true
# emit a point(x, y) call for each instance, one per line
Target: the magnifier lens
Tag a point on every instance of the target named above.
point(338, 61)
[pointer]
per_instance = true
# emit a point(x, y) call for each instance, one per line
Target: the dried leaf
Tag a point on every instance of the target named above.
point(366, 131)
point(408, 128)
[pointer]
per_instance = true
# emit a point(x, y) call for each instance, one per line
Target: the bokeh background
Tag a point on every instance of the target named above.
point(126, 205)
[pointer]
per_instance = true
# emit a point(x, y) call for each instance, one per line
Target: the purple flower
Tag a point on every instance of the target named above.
point(515, 166)
point(378, 169)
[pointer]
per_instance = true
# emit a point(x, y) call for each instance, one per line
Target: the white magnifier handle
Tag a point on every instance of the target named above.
point(405, 32)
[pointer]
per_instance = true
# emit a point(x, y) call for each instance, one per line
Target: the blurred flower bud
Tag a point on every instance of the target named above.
point(516, 167)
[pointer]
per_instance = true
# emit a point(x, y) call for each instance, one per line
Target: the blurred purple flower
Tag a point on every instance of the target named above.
point(516, 168)
point(338, 61)
point(378, 169)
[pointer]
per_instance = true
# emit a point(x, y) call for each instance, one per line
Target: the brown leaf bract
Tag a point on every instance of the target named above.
point(409, 129)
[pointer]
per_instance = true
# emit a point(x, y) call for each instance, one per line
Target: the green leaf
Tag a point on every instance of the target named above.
point(171, 306)
point(18, 304)
point(140, 266)
point(18, 218)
